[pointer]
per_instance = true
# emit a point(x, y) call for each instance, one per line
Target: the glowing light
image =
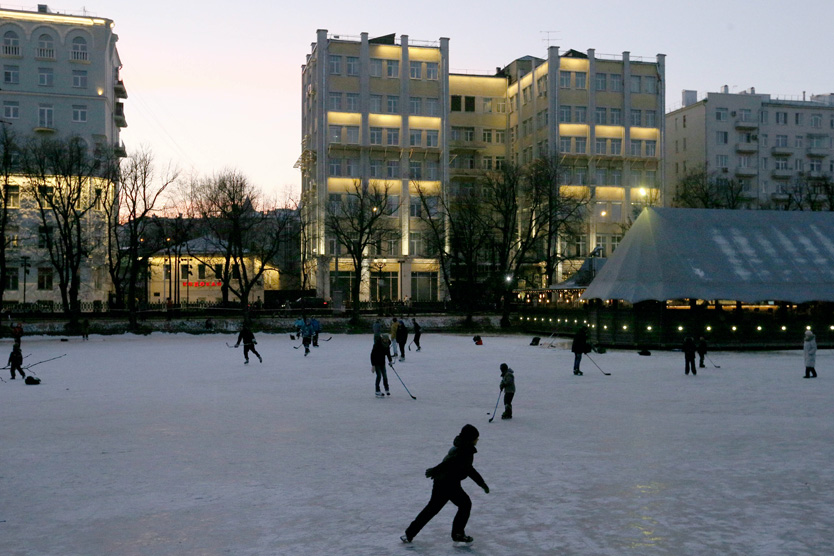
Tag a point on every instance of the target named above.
point(709, 328)
point(734, 329)
point(808, 327)
point(784, 328)
point(642, 191)
point(759, 328)
point(625, 327)
point(649, 328)
point(680, 328)
point(605, 327)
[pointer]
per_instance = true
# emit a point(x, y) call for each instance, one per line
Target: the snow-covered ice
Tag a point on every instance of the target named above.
point(169, 445)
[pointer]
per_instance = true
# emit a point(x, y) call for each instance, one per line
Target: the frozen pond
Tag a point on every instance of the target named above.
point(170, 445)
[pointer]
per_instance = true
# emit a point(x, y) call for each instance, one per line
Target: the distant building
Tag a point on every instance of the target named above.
point(771, 147)
point(389, 110)
point(60, 80)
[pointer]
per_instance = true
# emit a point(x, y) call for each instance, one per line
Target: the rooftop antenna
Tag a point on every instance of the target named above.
point(547, 39)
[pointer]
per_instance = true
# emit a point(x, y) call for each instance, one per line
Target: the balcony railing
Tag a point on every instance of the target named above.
point(79, 55)
point(48, 53)
point(9, 50)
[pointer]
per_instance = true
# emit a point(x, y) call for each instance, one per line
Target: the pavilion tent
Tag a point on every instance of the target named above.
point(741, 255)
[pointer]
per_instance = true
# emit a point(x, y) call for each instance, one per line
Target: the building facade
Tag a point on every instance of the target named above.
point(60, 80)
point(389, 110)
point(772, 149)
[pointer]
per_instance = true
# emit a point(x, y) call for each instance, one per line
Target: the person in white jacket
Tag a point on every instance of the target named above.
point(810, 352)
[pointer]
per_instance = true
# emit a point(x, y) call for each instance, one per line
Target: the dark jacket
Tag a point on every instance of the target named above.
point(689, 347)
point(508, 381)
point(402, 333)
point(457, 465)
point(580, 342)
point(702, 348)
point(246, 337)
point(378, 354)
point(15, 358)
point(417, 328)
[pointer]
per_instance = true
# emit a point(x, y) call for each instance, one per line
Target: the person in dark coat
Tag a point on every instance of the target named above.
point(447, 476)
point(702, 351)
point(418, 331)
point(809, 351)
point(579, 346)
point(16, 361)
point(508, 387)
point(379, 352)
point(689, 350)
point(17, 333)
point(314, 322)
point(306, 336)
point(402, 337)
point(248, 338)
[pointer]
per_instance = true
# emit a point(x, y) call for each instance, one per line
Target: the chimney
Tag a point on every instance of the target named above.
point(725, 89)
point(43, 9)
point(689, 97)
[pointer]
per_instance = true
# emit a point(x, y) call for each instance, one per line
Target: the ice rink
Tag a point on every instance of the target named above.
point(168, 445)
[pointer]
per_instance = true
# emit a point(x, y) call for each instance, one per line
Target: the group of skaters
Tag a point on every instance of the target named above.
point(386, 346)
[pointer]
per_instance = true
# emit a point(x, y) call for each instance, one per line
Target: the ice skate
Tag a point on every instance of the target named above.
point(460, 537)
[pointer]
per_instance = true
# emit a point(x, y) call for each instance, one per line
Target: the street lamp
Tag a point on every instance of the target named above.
point(25, 265)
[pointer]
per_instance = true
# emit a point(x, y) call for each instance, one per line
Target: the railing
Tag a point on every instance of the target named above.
point(11, 50)
point(45, 53)
point(79, 55)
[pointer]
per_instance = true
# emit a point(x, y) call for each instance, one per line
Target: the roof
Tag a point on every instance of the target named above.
point(741, 255)
point(582, 277)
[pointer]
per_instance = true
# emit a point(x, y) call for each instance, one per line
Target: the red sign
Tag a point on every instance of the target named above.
point(203, 284)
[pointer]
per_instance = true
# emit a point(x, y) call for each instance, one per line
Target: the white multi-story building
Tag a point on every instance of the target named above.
point(768, 146)
point(60, 80)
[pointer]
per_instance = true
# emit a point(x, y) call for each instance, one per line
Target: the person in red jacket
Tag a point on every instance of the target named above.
point(447, 476)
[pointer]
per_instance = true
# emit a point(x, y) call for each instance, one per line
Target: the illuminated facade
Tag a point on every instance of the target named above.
point(769, 146)
point(389, 110)
point(60, 80)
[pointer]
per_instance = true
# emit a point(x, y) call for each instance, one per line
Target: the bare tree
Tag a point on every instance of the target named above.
point(702, 189)
point(357, 221)
point(67, 185)
point(9, 157)
point(809, 193)
point(135, 195)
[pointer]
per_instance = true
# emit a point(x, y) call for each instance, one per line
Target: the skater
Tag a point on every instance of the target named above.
point(306, 336)
point(579, 346)
point(689, 349)
point(378, 354)
point(314, 322)
point(702, 352)
point(508, 386)
point(17, 333)
point(418, 331)
point(809, 351)
point(16, 361)
point(249, 342)
point(299, 324)
point(402, 338)
point(377, 329)
point(85, 329)
point(393, 333)
point(447, 476)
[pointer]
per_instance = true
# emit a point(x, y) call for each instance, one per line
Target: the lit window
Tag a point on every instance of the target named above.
point(335, 132)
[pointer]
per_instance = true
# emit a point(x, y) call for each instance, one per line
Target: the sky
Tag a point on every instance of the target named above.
point(217, 85)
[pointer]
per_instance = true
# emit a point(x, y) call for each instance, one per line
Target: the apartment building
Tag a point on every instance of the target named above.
point(768, 146)
point(389, 109)
point(60, 80)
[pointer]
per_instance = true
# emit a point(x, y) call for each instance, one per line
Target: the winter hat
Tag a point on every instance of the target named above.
point(385, 338)
point(504, 367)
point(808, 334)
point(469, 433)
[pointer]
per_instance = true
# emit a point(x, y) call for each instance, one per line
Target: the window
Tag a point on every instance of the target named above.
point(649, 84)
point(616, 146)
point(636, 118)
point(393, 169)
point(781, 141)
point(564, 114)
point(616, 116)
point(615, 82)
point(45, 77)
point(431, 70)
point(600, 146)
point(486, 163)
point(393, 104)
point(415, 70)
point(564, 144)
point(79, 49)
point(799, 142)
point(635, 149)
point(600, 81)
point(499, 162)
point(376, 168)
point(44, 278)
point(763, 162)
point(581, 79)
point(335, 133)
point(722, 137)
point(11, 75)
point(799, 118)
point(432, 138)
point(780, 163)
point(432, 170)
point(763, 117)
point(799, 165)
point(376, 136)
point(46, 47)
point(815, 165)
point(432, 107)
point(352, 65)
point(11, 44)
point(616, 177)
point(651, 118)
point(526, 94)
point(581, 145)
point(393, 134)
point(12, 274)
point(415, 106)
point(651, 148)
point(335, 64)
point(375, 68)
point(79, 79)
point(781, 118)
point(415, 170)
point(469, 104)
point(722, 161)
point(456, 103)
point(744, 161)
point(635, 84)
point(45, 116)
point(415, 137)
point(816, 121)
point(581, 114)
point(500, 136)
point(600, 116)
point(79, 113)
point(353, 134)
point(541, 85)
point(13, 196)
point(335, 166)
point(763, 139)
point(393, 204)
point(745, 115)
point(393, 68)
point(376, 104)
point(352, 102)
point(601, 177)
point(11, 109)
point(486, 136)
point(501, 106)
point(564, 79)
point(334, 101)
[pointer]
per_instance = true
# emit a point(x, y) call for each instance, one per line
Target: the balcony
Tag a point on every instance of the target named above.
point(747, 147)
point(119, 89)
point(119, 150)
point(461, 145)
point(11, 50)
point(119, 115)
point(779, 174)
point(783, 150)
point(746, 123)
point(818, 152)
point(746, 172)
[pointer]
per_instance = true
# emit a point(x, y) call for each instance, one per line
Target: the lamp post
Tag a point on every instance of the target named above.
point(25, 265)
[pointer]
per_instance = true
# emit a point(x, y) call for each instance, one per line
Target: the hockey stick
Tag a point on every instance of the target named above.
point(409, 345)
point(298, 346)
point(713, 364)
point(230, 346)
point(413, 397)
point(597, 366)
point(44, 361)
point(328, 339)
point(494, 411)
